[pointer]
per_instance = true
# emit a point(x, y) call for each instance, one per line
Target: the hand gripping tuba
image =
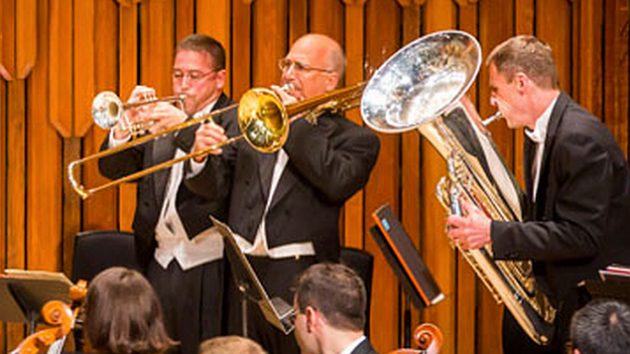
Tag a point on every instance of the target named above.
point(420, 87)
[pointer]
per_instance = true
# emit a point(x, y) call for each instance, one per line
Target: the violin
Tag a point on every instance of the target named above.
point(427, 337)
point(61, 317)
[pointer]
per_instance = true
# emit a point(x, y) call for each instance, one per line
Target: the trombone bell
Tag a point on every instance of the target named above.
point(263, 120)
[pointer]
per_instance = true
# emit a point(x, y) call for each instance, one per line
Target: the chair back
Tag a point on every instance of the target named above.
point(95, 251)
point(363, 264)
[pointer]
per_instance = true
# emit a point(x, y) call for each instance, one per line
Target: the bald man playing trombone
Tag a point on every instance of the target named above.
point(285, 206)
point(180, 252)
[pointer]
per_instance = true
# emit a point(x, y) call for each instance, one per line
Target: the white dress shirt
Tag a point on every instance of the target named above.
point(173, 241)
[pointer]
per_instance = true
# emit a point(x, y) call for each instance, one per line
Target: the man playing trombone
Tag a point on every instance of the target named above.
point(285, 206)
point(180, 252)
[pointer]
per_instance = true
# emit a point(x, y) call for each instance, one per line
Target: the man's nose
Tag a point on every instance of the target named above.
point(288, 73)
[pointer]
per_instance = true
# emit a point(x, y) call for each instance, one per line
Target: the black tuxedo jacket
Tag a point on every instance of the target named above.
point(193, 209)
point(328, 163)
point(580, 221)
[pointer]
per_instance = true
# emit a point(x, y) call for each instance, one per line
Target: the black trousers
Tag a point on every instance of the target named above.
point(278, 277)
point(191, 301)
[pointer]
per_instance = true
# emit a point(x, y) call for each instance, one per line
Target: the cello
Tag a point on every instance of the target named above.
point(61, 318)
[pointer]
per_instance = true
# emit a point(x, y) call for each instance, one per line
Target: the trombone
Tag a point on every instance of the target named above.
point(262, 117)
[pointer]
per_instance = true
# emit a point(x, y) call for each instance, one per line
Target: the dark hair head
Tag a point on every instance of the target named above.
point(336, 291)
point(529, 55)
point(204, 44)
point(230, 345)
point(602, 327)
point(123, 314)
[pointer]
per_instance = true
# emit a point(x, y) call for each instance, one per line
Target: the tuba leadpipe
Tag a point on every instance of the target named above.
point(263, 120)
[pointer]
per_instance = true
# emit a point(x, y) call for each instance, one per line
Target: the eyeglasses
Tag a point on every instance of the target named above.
point(286, 64)
point(191, 76)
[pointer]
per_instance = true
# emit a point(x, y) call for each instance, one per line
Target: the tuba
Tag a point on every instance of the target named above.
point(421, 87)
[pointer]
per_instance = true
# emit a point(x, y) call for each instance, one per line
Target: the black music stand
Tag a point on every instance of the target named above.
point(23, 294)
point(276, 311)
point(416, 279)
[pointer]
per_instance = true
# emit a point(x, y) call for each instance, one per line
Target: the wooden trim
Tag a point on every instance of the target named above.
point(25, 37)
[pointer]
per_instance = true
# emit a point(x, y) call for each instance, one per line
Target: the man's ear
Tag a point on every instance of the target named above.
point(221, 79)
point(312, 319)
point(331, 81)
point(521, 81)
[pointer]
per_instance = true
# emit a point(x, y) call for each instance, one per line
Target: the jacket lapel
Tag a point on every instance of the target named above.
point(266, 163)
point(287, 181)
point(554, 122)
point(163, 150)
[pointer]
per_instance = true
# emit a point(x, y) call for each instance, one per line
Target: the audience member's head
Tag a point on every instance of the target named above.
point(601, 327)
point(123, 314)
point(230, 345)
point(330, 301)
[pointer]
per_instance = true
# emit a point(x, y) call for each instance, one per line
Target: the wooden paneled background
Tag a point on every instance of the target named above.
point(56, 55)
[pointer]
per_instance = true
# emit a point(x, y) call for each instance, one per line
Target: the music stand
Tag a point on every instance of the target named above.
point(23, 293)
point(416, 279)
point(614, 283)
point(276, 311)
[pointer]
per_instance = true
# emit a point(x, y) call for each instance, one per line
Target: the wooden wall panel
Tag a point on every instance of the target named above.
point(298, 19)
point(241, 58)
point(269, 41)
point(3, 192)
point(26, 36)
point(128, 38)
point(7, 41)
point(327, 17)
point(79, 48)
point(616, 55)
point(60, 67)
point(185, 20)
point(44, 158)
point(207, 12)
point(352, 219)
point(100, 210)
point(16, 191)
point(383, 187)
point(587, 44)
point(553, 25)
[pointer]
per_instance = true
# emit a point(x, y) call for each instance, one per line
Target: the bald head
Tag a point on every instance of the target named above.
point(325, 48)
point(313, 66)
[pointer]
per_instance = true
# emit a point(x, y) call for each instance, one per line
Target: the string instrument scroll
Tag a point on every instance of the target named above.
point(61, 317)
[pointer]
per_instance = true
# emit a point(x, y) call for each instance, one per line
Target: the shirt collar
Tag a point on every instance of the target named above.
point(207, 109)
point(539, 133)
point(353, 345)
